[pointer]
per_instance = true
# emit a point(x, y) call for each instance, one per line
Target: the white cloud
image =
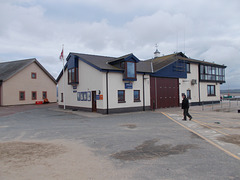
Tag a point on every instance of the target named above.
point(203, 29)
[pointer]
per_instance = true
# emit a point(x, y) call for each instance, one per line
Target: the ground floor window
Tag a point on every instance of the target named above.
point(189, 94)
point(211, 90)
point(121, 96)
point(136, 94)
point(61, 97)
point(34, 95)
point(44, 94)
point(22, 95)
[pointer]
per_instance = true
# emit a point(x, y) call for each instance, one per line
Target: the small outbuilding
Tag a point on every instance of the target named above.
point(25, 82)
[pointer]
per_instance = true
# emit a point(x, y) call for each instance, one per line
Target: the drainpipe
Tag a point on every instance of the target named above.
point(107, 89)
point(199, 89)
point(143, 94)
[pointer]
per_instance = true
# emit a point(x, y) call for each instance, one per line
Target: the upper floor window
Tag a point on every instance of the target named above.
point(34, 75)
point(130, 71)
point(73, 76)
point(211, 73)
point(188, 67)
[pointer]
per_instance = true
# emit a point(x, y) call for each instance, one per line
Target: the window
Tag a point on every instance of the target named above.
point(189, 94)
point(22, 95)
point(188, 67)
point(211, 90)
point(44, 94)
point(61, 97)
point(73, 76)
point(121, 96)
point(211, 73)
point(136, 94)
point(34, 75)
point(130, 71)
point(34, 95)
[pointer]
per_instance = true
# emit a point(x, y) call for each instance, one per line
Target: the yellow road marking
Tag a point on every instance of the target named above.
point(206, 139)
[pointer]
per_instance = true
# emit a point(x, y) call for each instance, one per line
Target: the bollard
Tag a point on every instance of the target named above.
point(212, 105)
point(202, 106)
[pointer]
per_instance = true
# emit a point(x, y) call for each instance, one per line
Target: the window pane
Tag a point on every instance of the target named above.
point(136, 95)
point(130, 70)
point(212, 90)
point(72, 75)
point(209, 70)
point(22, 95)
point(121, 95)
point(188, 67)
point(209, 90)
point(201, 69)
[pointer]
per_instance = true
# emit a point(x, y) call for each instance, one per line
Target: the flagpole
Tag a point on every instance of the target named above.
point(64, 103)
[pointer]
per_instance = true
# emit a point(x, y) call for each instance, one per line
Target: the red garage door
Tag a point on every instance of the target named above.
point(164, 92)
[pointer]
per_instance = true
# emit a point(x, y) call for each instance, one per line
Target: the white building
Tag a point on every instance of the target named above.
point(104, 84)
point(109, 85)
point(202, 85)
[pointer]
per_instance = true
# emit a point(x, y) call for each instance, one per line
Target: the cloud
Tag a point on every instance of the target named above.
point(33, 28)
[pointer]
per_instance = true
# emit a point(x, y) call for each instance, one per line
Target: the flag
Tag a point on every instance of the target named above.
point(61, 56)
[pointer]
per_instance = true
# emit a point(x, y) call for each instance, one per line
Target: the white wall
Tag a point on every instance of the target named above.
point(185, 84)
point(91, 79)
point(204, 95)
point(116, 83)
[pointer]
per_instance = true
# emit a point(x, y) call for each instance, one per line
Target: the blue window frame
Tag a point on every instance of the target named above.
point(130, 71)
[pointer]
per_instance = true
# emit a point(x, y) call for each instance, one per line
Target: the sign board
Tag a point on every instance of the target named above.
point(97, 97)
point(128, 85)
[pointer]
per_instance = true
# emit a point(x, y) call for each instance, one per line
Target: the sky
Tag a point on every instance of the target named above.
point(202, 29)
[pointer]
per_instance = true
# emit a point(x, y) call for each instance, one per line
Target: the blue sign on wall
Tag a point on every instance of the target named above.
point(128, 86)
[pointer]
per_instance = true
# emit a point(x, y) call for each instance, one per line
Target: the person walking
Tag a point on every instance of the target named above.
point(185, 107)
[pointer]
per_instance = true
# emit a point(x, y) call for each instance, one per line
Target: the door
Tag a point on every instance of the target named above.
point(164, 92)
point(94, 102)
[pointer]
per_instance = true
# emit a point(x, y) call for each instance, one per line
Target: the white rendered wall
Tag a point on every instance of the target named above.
point(185, 84)
point(90, 79)
point(116, 83)
point(203, 94)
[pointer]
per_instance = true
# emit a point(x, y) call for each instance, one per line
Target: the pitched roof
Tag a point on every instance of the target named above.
point(9, 69)
point(103, 62)
point(163, 61)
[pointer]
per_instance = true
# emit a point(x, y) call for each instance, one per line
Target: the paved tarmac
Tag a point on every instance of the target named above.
point(153, 145)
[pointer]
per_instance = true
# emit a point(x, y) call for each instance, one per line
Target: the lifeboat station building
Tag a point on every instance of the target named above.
point(125, 84)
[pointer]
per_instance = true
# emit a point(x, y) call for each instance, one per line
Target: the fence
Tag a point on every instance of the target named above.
point(228, 105)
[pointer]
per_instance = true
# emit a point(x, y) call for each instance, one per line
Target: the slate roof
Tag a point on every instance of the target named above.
point(163, 61)
point(103, 62)
point(11, 68)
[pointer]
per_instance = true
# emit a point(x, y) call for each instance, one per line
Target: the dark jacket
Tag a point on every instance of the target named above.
point(185, 103)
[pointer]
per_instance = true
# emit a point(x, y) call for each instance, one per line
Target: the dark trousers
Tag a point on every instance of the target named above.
point(185, 113)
